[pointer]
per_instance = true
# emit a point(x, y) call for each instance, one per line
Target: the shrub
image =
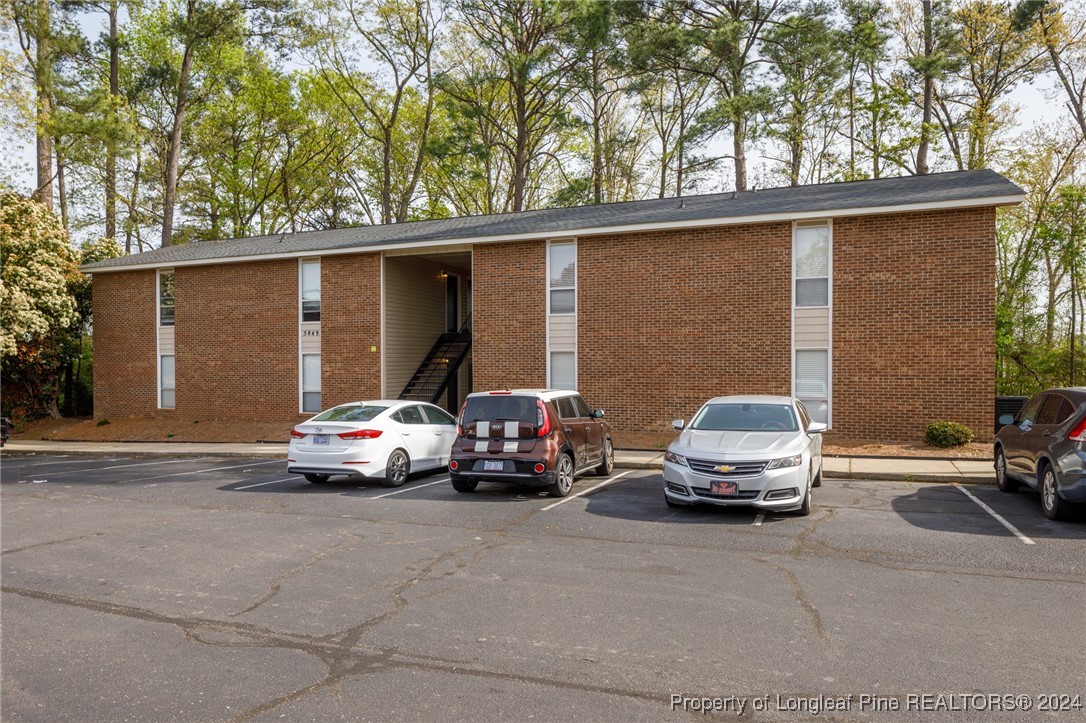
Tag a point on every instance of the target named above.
point(947, 434)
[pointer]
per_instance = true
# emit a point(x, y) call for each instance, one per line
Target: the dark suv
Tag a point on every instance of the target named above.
point(1045, 447)
point(537, 437)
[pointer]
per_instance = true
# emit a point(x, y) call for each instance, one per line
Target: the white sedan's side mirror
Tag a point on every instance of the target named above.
point(816, 428)
point(679, 424)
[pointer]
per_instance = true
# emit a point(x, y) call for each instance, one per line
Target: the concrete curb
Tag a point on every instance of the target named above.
point(900, 469)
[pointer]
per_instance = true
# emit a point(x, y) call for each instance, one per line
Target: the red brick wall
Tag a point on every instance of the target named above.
point(509, 317)
point(236, 342)
point(350, 327)
point(668, 319)
point(125, 344)
point(913, 323)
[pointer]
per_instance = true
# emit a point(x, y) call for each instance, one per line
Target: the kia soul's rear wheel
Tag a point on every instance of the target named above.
point(563, 477)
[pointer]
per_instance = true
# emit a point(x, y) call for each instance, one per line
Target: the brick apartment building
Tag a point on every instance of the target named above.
point(873, 301)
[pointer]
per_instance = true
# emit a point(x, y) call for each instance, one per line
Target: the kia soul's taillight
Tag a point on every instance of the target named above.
point(542, 419)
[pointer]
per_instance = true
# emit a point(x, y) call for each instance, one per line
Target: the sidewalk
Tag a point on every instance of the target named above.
point(901, 469)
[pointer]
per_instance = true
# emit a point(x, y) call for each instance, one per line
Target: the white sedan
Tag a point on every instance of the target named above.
point(760, 451)
point(383, 440)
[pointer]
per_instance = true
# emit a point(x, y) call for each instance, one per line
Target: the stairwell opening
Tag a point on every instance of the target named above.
point(426, 327)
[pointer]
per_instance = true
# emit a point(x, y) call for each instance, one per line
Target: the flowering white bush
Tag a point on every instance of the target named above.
point(36, 263)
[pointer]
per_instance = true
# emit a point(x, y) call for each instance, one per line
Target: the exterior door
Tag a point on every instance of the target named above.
point(593, 433)
point(573, 427)
point(1017, 442)
point(443, 429)
point(417, 436)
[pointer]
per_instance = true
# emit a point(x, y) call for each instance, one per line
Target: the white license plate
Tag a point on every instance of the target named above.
point(320, 439)
point(493, 465)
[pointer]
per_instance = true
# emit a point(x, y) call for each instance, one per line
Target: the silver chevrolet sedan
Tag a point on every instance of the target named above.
point(759, 451)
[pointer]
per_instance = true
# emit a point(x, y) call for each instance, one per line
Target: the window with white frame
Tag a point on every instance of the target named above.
point(813, 382)
point(811, 256)
point(310, 288)
point(165, 298)
point(563, 370)
point(167, 382)
point(562, 289)
point(311, 382)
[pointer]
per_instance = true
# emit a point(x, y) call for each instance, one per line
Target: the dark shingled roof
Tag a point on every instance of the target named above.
point(965, 186)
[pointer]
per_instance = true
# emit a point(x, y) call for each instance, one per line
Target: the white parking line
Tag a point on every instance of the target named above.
point(408, 489)
point(584, 492)
point(198, 471)
point(758, 519)
point(135, 464)
point(996, 515)
point(261, 484)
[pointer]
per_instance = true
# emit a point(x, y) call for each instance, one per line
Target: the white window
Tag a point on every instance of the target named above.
point(165, 298)
point(813, 382)
point(562, 264)
point(812, 266)
point(166, 382)
point(310, 288)
point(563, 370)
point(311, 382)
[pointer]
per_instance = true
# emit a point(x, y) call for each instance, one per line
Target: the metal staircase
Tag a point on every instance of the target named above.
point(437, 369)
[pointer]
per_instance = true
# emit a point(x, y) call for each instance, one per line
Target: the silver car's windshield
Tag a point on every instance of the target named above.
point(746, 418)
point(350, 413)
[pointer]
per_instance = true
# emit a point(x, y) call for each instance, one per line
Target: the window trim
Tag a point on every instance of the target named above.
point(796, 225)
point(573, 288)
point(301, 384)
point(158, 298)
point(161, 385)
point(547, 316)
point(301, 289)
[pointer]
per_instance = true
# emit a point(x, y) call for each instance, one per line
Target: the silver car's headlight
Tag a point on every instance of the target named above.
point(786, 462)
point(670, 456)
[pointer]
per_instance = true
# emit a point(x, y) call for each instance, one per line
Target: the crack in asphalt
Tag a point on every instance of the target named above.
point(339, 656)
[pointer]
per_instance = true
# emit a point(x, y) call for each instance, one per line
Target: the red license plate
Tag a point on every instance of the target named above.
point(723, 488)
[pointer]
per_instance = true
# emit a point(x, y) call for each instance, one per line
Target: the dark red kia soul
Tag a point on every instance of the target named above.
point(536, 437)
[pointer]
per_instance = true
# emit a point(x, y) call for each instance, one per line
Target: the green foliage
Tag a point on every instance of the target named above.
point(947, 434)
point(36, 266)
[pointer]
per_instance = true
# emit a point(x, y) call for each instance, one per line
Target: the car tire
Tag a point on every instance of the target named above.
point(465, 485)
point(396, 469)
point(1054, 506)
point(805, 507)
point(1003, 481)
point(563, 477)
point(818, 478)
point(317, 478)
point(607, 466)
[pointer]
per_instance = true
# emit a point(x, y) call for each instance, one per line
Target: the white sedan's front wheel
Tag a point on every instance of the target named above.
point(805, 507)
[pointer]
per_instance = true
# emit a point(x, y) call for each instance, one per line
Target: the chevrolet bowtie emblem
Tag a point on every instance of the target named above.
point(722, 469)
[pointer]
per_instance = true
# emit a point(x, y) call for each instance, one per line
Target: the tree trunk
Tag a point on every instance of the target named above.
point(929, 81)
point(62, 192)
point(173, 153)
point(111, 141)
point(520, 161)
point(44, 88)
point(739, 145)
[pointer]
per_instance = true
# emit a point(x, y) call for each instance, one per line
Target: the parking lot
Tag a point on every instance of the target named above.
point(227, 589)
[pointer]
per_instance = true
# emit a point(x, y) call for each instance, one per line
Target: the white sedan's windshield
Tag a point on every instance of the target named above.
point(746, 418)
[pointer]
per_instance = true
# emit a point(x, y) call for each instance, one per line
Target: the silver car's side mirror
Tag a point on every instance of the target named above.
point(816, 428)
point(679, 424)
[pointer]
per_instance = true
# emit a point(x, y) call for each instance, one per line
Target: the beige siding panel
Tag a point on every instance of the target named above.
point(563, 332)
point(414, 317)
point(310, 337)
point(165, 340)
point(812, 328)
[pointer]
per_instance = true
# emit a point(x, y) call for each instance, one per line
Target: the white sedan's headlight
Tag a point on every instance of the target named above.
point(670, 456)
point(786, 462)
